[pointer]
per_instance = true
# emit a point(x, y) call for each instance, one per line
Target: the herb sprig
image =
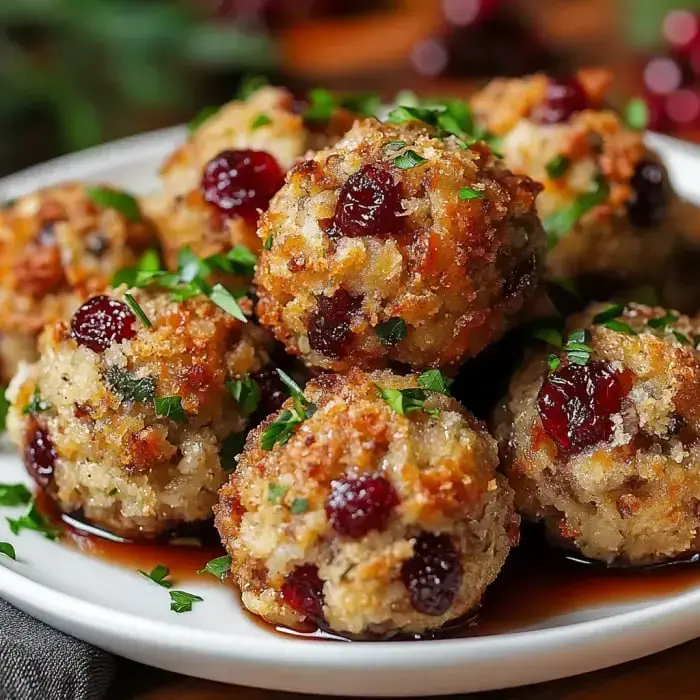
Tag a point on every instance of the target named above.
point(405, 401)
point(33, 520)
point(281, 430)
point(36, 404)
point(158, 574)
point(218, 567)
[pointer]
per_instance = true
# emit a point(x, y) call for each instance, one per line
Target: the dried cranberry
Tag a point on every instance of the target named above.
point(272, 391)
point(240, 183)
point(302, 590)
point(358, 505)
point(369, 204)
point(39, 453)
point(649, 195)
point(576, 404)
point(564, 98)
point(433, 574)
point(101, 321)
point(329, 327)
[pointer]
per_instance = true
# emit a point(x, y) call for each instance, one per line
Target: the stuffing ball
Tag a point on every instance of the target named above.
point(372, 516)
point(603, 444)
point(124, 424)
point(57, 246)
point(611, 216)
point(397, 245)
point(217, 183)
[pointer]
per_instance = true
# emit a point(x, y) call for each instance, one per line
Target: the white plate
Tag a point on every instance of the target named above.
point(115, 608)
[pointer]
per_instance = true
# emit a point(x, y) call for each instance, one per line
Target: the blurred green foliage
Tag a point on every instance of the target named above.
point(96, 66)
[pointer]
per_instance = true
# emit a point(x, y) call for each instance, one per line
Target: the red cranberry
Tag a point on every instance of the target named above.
point(356, 506)
point(329, 328)
point(369, 204)
point(647, 207)
point(433, 575)
point(39, 453)
point(272, 392)
point(239, 183)
point(101, 321)
point(564, 98)
point(576, 404)
point(302, 590)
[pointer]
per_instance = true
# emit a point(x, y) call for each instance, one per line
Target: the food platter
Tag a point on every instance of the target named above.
point(111, 605)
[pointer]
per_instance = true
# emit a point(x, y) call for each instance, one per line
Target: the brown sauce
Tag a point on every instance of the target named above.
point(537, 582)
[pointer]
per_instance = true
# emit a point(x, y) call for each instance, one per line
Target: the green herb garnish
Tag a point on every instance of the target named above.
point(321, 105)
point(250, 85)
point(129, 387)
point(608, 319)
point(365, 103)
point(434, 380)
point(637, 114)
point(392, 331)
point(553, 362)
point(33, 520)
point(14, 495)
point(552, 336)
point(405, 401)
point(395, 145)
point(469, 193)
point(666, 320)
point(282, 429)
point(246, 392)
point(276, 492)
point(409, 159)
point(267, 245)
point(4, 408)
point(201, 117)
point(681, 338)
point(260, 121)
point(36, 404)
point(109, 198)
point(137, 310)
point(577, 348)
point(231, 447)
point(149, 262)
point(170, 407)
point(218, 567)
point(158, 574)
point(181, 601)
point(557, 167)
point(299, 505)
point(226, 301)
point(8, 550)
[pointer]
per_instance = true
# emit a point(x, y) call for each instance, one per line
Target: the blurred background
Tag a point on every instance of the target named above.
point(74, 73)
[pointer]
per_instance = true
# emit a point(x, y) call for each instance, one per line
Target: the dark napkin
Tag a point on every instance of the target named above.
point(38, 662)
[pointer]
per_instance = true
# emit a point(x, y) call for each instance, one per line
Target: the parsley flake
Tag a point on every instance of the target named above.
point(299, 505)
point(683, 339)
point(246, 392)
point(138, 311)
point(469, 193)
point(283, 427)
point(226, 301)
point(660, 323)
point(267, 245)
point(109, 198)
point(553, 362)
point(36, 404)
point(409, 159)
point(170, 407)
point(182, 601)
point(577, 349)
point(260, 121)
point(276, 492)
point(33, 520)
point(201, 117)
point(14, 495)
point(396, 145)
point(321, 105)
point(158, 574)
point(365, 103)
point(556, 167)
point(404, 401)
point(608, 319)
point(218, 567)
point(231, 447)
point(149, 262)
point(129, 387)
point(392, 331)
point(637, 114)
point(4, 408)
point(434, 380)
point(8, 550)
point(620, 327)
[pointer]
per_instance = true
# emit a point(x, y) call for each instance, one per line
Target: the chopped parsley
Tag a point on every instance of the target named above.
point(240, 259)
point(637, 114)
point(276, 492)
point(8, 550)
point(281, 430)
point(218, 567)
point(170, 407)
point(246, 392)
point(609, 319)
point(392, 331)
point(299, 505)
point(409, 159)
point(14, 495)
point(577, 348)
point(226, 301)
point(250, 85)
point(321, 105)
point(129, 387)
point(137, 310)
point(559, 224)
point(201, 117)
point(158, 574)
point(681, 338)
point(434, 380)
point(469, 193)
point(260, 121)
point(661, 323)
point(553, 362)
point(556, 168)
point(110, 198)
point(231, 447)
point(396, 145)
point(33, 520)
point(4, 408)
point(267, 245)
point(36, 404)
point(405, 401)
point(149, 262)
point(365, 103)
point(182, 601)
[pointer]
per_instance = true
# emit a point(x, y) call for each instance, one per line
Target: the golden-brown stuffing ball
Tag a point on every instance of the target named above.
point(601, 440)
point(217, 183)
point(367, 515)
point(124, 423)
point(397, 245)
point(607, 205)
point(57, 246)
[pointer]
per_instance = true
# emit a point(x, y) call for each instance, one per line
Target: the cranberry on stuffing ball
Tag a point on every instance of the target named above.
point(398, 245)
point(601, 439)
point(369, 506)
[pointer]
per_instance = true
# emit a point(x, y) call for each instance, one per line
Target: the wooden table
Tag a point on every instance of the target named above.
point(670, 675)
